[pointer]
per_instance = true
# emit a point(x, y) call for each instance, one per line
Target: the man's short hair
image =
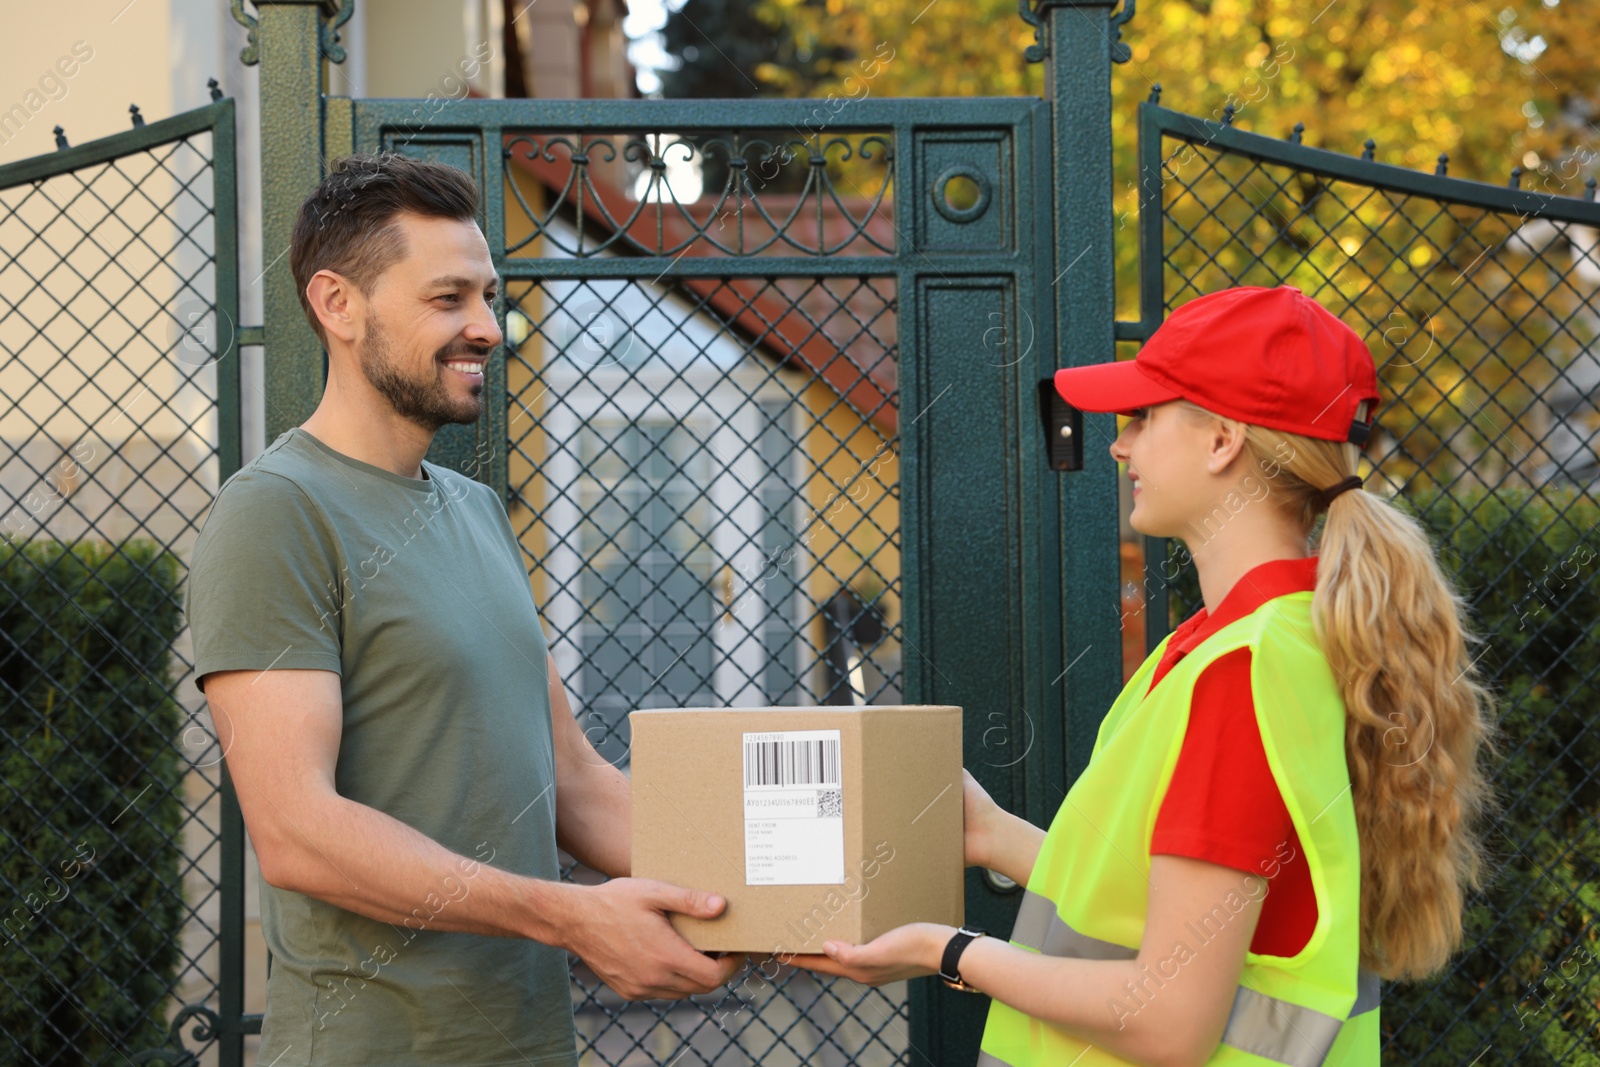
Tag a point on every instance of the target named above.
point(347, 224)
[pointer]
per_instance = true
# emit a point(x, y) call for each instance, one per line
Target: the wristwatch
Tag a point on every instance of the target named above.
point(952, 955)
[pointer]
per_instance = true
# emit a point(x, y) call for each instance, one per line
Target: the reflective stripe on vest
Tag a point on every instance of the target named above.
point(1264, 1026)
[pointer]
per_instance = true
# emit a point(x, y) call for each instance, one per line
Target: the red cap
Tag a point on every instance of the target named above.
point(1270, 357)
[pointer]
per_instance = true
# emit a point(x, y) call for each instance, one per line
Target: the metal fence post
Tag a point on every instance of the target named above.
point(1078, 43)
point(287, 42)
point(290, 37)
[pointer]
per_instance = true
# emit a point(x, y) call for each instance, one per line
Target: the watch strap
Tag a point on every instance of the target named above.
point(949, 964)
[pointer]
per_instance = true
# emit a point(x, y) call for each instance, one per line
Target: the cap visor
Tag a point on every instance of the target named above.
point(1119, 387)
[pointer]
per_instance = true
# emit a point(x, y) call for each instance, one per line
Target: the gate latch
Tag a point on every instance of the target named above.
point(1063, 429)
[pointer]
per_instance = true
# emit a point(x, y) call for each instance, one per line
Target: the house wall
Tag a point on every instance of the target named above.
point(864, 517)
point(131, 51)
point(416, 47)
point(525, 420)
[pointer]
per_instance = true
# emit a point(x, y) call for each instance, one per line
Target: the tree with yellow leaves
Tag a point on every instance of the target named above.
point(1422, 84)
point(1490, 87)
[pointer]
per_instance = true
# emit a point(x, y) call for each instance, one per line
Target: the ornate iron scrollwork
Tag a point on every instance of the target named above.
point(327, 32)
point(735, 220)
point(206, 1029)
point(1036, 51)
point(1120, 52)
point(250, 54)
point(1030, 12)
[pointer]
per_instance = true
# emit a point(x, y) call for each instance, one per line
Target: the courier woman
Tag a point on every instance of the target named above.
point(1280, 806)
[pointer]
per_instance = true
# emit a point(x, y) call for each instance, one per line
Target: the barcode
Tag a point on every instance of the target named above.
point(785, 763)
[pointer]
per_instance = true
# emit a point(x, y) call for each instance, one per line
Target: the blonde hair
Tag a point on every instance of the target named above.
point(1395, 632)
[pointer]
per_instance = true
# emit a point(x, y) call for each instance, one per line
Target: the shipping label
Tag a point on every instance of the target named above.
point(793, 808)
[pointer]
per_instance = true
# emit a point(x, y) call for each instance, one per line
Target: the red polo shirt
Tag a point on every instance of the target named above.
point(1223, 805)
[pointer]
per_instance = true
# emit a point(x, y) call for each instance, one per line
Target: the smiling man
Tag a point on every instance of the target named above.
point(403, 751)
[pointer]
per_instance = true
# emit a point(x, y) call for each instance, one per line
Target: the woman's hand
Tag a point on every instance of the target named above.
point(980, 812)
point(995, 838)
point(909, 951)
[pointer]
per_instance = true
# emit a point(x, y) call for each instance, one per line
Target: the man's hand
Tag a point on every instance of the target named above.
point(623, 933)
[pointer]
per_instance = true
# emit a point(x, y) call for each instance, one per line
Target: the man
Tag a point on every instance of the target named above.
point(403, 751)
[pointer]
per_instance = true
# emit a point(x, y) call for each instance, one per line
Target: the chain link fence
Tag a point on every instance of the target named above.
point(703, 475)
point(1482, 306)
point(118, 391)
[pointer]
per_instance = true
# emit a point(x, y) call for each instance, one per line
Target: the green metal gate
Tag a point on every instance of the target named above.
point(121, 848)
point(729, 426)
point(1482, 305)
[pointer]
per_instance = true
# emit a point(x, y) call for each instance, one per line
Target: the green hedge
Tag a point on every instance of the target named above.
point(1527, 981)
point(91, 900)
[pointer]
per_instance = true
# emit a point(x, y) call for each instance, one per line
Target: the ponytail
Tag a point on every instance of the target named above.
point(1394, 631)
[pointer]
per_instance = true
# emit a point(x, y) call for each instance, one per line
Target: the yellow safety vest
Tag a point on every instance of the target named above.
point(1088, 893)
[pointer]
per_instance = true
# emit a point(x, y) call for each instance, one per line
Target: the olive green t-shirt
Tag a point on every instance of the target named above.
point(414, 591)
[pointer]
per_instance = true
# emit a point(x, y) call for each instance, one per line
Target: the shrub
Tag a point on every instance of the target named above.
point(92, 903)
point(1528, 980)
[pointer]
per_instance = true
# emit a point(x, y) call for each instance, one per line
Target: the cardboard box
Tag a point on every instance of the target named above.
point(814, 823)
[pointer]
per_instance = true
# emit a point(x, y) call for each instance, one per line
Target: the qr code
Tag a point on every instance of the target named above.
point(830, 804)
